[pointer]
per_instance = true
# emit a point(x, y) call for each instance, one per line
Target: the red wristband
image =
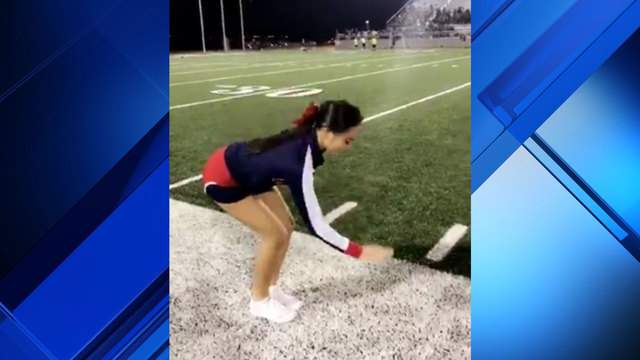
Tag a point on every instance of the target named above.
point(354, 249)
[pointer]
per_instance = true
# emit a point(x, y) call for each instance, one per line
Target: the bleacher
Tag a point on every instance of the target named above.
point(428, 23)
point(423, 14)
point(421, 24)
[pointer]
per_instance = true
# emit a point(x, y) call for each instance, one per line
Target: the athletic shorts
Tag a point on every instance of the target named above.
point(220, 185)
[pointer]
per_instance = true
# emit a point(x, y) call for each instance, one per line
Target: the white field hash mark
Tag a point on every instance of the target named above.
point(447, 242)
point(181, 106)
point(384, 113)
point(185, 182)
point(339, 211)
point(198, 233)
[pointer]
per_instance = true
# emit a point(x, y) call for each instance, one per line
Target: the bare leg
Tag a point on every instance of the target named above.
point(253, 213)
point(276, 204)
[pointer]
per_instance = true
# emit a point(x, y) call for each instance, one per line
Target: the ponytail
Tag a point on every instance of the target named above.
point(308, 117)
point(337, 116)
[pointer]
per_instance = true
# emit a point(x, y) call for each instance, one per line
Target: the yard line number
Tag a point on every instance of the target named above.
point(249, 89)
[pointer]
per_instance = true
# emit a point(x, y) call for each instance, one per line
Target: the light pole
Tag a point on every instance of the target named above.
point(204, 47)
point(367, 22)
point(241, 24)
point(224, 32)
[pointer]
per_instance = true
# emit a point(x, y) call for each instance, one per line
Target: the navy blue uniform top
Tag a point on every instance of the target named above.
point(292, 163)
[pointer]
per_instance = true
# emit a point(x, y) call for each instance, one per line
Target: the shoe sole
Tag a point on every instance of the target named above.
point(279, 321)
point(297, 306)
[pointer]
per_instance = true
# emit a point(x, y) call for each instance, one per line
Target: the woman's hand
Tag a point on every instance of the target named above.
point(376, 253)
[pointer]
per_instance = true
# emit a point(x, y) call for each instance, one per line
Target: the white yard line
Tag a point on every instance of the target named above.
point(384, 113)
point(339, 211)
point(413, 103)
point(185, 182)
point(329, 81)
point(260, 57)
point(263, 64)
point(307, 68)
point(257, 58)
point(242, 67)
point(202, 64)
point(447, 242)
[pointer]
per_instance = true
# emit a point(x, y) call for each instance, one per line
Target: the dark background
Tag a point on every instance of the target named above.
point(308, 19)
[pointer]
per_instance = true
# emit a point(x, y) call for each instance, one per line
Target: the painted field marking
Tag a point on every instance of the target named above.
point(202, 64)
point(291, 93)
point(416, 102)
point(198, 233)
point(447, 242)
point(275, 72)
point(306, 67)
point(257, 65)
point(356, 76)
point(256, 58)
point(185, 182)
point(339, 211)
point(236, 66)
point(384, 113)
point(242, 67)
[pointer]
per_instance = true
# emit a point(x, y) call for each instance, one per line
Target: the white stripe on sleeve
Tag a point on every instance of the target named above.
point(322, 229)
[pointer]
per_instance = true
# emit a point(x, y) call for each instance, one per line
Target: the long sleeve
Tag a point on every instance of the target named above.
point(302, 190)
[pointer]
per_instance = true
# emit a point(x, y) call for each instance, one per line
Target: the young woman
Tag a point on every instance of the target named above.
point(241, 178)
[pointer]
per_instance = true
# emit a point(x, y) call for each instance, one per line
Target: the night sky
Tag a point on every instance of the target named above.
point(309, 19)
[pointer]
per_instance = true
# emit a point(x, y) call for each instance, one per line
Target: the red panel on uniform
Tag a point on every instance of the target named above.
point(216, 170)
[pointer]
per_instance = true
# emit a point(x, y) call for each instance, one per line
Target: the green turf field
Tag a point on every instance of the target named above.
point(409, 170)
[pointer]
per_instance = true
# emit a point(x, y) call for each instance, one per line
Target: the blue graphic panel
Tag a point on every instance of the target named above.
point(555, 165)
point(517, 87)
point(598, 128)
point(549, 281)
point(88, 286)
point(17, 342)
point(85, 142)
point(486, 128)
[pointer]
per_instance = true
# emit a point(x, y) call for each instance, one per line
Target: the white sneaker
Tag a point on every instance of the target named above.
point(287, 300)
point(271, 310)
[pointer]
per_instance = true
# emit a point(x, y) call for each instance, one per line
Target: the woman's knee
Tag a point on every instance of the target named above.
point(286, 230)
point(276, 235)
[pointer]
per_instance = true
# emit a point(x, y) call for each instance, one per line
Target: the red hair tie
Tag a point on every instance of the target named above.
point(308, 115)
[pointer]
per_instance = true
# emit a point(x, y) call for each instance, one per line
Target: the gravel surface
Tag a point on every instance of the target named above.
point(353, 309)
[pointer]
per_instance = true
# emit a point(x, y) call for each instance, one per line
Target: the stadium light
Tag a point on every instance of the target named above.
point(367, 22)
point(204, 47)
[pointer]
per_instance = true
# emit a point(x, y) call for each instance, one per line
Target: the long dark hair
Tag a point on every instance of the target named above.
point(338, 116)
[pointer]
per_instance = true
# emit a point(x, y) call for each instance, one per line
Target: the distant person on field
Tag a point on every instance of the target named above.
point(392, 38)
point(374, 40)
point(363, 41)
point(242, 177)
